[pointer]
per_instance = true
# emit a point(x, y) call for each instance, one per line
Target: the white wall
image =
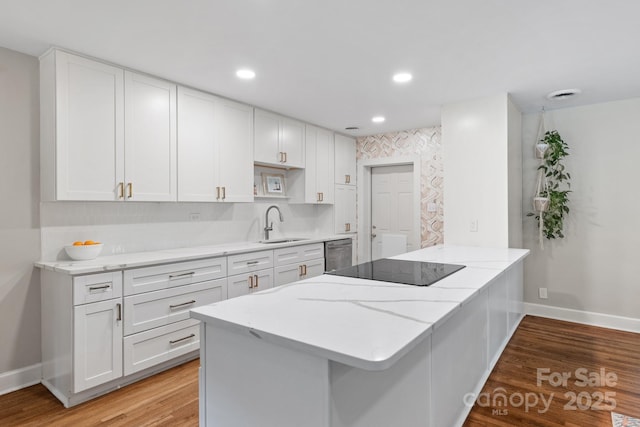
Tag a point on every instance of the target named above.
point(475, 141)
point(19, 214)
point(595, 267)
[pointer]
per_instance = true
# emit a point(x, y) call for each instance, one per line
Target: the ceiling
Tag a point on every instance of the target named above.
point(330, 62)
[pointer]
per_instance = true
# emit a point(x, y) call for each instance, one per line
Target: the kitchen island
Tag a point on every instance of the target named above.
point(340, 351)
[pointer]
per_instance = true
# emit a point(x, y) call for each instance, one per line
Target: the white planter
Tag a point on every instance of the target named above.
point(541, 204)
point(541, 148)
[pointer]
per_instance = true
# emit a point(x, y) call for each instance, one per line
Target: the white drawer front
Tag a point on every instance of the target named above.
point(97, 287)
point(171, 275)
point(253, 261)
point(314, 267)
point(313, 251)
point(297, 254)
point(149, 348)
point(159, 308)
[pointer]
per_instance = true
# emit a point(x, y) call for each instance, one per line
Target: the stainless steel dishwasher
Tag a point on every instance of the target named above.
point(337, 254)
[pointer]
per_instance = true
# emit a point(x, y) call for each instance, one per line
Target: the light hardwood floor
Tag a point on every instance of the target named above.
point(171, 398)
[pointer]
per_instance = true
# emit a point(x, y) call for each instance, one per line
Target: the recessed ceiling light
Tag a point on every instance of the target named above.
point(402, 77)
point(563, 94)
point(377, 119)
point(245, 73)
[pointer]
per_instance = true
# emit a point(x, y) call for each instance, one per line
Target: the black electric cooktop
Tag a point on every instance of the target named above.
point(415, 273)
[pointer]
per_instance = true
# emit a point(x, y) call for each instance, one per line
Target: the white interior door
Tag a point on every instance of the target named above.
point(392, 225)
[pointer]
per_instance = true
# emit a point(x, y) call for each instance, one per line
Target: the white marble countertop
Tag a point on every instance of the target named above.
point(362, 323)
point(164, 256)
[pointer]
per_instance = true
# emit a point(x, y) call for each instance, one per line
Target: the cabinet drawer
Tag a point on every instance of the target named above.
point(158, 345)
point(171, 275)
point(297, 254)
point(97, 287)
point(159, 308)
point(253, 261)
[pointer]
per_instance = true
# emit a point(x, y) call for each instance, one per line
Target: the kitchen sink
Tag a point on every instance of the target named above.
point(283, 240)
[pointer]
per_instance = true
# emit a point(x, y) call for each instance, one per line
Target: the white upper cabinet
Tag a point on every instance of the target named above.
point(106, 133)
point(278, 141)
point(214, 148)
point(318, 173)
point(82, 128)
point(150, 139)
point(345, 160)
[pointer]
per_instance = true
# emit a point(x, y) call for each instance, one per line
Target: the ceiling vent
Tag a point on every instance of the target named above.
point(563, 94)
point(352, 128)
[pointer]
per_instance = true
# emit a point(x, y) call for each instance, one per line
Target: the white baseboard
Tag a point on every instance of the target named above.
point(586, 317)
point(20, 378)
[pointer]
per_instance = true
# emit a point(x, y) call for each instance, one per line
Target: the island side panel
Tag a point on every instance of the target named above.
point(251, 382)
point(397, 396)
point(459, 358)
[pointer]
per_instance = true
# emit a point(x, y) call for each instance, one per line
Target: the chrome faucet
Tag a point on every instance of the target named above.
point(267, 227)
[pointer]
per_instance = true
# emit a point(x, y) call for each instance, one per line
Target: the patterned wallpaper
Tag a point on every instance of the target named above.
point(426, 143)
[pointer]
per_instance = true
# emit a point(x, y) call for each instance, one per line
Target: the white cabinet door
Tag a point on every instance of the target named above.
point(243, 284)
point(197, 151)
point(278, 140)
point(292, 133)
point(150, 139)
point(345, 209)
point(287, 274)
point(234, 126)
point(319, 166)
point(314, 268)
point(267, 138)
point(345, 160)
point(97, 350)
point(89, 117)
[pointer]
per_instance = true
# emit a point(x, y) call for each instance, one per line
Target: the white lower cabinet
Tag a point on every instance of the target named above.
point(97, 349)
point(243, 284)
point(297, 263)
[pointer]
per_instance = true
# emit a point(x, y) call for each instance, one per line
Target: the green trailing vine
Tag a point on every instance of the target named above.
point(558, 184)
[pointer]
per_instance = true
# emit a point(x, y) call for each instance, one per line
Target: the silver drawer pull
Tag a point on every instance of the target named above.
point(182, 339)
point(252, 262)
point(176, 276)
point(183, 304)
point(97, 288)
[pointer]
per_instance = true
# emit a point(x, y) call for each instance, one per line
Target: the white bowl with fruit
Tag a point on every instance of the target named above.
point(83, 251)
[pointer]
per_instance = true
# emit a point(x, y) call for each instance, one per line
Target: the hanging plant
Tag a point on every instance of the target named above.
point(553, 185)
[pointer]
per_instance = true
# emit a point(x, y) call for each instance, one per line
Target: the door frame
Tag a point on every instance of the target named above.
point(364, 195)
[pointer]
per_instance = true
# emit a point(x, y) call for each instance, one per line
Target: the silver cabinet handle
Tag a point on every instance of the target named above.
point(252, 262)
point(305, 269)
point(347, 179)
point(121, 190)
point(250, 282)
point(256, 280)
point(119, 308)
point(174, 306)
point(281, 157)
point(224, 193)
point(130, 188)
point(182, 339)
point(300, 268)
point(97, 288)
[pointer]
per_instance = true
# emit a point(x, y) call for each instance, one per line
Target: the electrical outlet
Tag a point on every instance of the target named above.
point(194, 216)
point(473, 225)
point(542, 293)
